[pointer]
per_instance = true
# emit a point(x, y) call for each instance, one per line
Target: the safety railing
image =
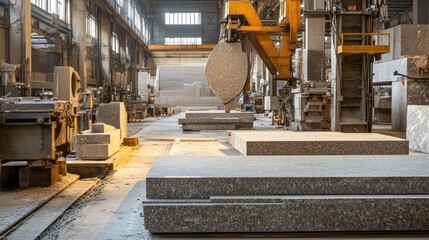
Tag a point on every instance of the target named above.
point(371, 43)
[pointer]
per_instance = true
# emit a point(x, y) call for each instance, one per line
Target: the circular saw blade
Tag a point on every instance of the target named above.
point(227, 71)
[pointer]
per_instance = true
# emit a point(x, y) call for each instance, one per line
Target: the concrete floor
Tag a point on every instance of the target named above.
point(113, 210)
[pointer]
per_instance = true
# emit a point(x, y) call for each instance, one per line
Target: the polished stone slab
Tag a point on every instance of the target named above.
point(316, 143)
point(418, 127)
point(289, 214)
point(202, 177)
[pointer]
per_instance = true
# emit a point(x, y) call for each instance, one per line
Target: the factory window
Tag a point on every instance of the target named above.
point(115, 43)
point(182, 18)
point(182, 41)
point(130, 13)
point(137, 21)
point(59, 7)
point(120, 3)
point(91, 27)
point(40, 3)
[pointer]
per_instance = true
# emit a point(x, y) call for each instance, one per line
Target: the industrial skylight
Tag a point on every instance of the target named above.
point(182, 18)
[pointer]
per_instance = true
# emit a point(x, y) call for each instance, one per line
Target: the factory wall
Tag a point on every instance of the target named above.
point(2, 45)
point(208, 30)
point(2, 36)
point(163, 59)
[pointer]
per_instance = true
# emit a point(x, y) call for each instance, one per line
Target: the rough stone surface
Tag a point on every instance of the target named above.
point(316, 143)
point(102, 128)
point(227, 71)
point(96, 151)
point(404, 93)
point(290, 214)
point(418, 128)
point(203, 177)
point(113, 137)
point(407, 40)
point(114, 114)
point(418, 92)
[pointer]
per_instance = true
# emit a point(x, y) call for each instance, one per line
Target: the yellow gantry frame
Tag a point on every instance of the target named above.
point(278, 62)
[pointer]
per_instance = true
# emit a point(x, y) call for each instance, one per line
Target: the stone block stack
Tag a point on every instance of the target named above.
point(114, 114)
point(99, 143)
point(287, 194)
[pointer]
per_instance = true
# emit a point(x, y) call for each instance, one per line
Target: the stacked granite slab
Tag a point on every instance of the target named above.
point(185, 86)
point(287, 194)
point(316, 143)
point(114, 114)
point(99, 143)
point(418, 127)
point(216, 120)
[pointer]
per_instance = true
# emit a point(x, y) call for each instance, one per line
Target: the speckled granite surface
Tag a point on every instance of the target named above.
point(202, 177)
point(217, 120)
point(418, 128)
point(227, 71)
point(287, 194)
point(243, 116)
point(316, 143)
point(290, 214)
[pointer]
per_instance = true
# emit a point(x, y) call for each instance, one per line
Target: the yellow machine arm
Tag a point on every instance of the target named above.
point(277, 60)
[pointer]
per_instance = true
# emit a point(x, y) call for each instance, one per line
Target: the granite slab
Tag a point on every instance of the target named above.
point(113, 137)
point(197, 121)
point(208, 127)
point(316, 143)
point(289, 214)
point(418, 127)
point(96, 151)
point(114, 114)
point(202, 177)
point(243, 116)
point(216, 120)
point(102, 128)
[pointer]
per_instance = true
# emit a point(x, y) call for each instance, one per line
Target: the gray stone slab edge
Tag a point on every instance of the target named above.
point(291, 215)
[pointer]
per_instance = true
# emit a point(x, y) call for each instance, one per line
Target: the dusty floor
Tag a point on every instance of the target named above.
point(113, 210)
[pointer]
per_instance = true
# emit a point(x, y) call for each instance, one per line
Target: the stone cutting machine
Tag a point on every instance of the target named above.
point(335, 96)
point(228, 66)
point(36, 133)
